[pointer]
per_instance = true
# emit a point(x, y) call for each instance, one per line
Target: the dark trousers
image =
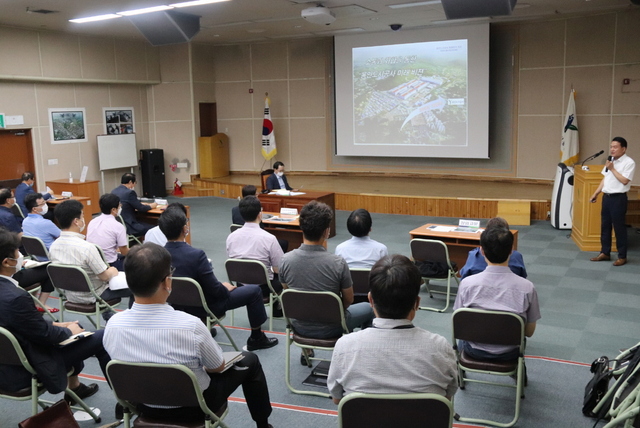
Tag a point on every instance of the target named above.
point(75, 353)
point(28, 277)
point(246, 295)
point(614, 210)
point(247, 373)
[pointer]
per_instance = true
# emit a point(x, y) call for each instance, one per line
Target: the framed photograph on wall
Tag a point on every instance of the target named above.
point(67, 125)
point(118, 120)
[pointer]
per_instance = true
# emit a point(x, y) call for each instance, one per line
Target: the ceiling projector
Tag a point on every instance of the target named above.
point(318, 15)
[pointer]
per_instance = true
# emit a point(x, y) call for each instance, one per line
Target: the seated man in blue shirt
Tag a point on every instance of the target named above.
point(34, 224)
point(476, 262)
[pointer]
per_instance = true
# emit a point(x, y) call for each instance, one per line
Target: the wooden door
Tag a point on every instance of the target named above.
point(18, 156)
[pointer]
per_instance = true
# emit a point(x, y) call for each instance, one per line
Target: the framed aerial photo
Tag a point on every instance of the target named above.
point(67, 125)
point(118, 120)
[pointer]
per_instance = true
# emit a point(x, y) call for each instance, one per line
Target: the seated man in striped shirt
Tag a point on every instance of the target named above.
point(166, 336)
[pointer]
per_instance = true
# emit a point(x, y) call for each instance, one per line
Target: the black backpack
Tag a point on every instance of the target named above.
point(597, 387)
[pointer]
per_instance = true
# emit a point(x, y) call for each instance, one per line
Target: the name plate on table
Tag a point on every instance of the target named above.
point(288, 211)
point(469, 223)
point(67, 195)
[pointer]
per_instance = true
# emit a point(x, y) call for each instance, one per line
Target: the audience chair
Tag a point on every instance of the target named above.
point(17, 211)
point(34, 247)
point(129, 237)
point(424, 250)
point(625, 407)
point(492, 328)
point(313, 306)
point(243, 271)
point(264, 175)
point(358, 410)
point(74, 278)
point(234, 227)
point(187, 292)
point(11, 353)
point(160, 385)
point(360, 278)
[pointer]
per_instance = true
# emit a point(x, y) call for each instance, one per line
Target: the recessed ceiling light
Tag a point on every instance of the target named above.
point(95, 18)
point(195, 3)
point(413, 4)
point(144, 10)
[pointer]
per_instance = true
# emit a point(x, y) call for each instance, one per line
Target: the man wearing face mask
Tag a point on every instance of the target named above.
point(108, 233)
point(72, 249)
point(278, 180)
point(8, 219)
point(26, 188)
point(39, 337)
point(34, 224)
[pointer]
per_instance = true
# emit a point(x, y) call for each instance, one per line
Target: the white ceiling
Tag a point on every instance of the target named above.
point(262, 20)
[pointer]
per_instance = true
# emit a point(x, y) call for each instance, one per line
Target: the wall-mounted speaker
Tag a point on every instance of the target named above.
point(167, 27)
point(464, 9)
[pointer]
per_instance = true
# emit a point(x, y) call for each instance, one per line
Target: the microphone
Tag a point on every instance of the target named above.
point(592, 157)
point(609, 158)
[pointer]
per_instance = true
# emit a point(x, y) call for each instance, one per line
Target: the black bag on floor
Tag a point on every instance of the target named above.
point(597, 386)
point(430, 269)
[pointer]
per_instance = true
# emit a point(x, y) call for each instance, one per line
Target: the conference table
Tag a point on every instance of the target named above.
point(458, 243)
point(273, 202)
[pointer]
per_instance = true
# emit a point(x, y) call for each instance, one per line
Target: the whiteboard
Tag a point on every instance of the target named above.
point(117, 151)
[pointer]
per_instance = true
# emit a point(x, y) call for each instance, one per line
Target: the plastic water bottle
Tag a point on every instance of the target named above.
point(70, 177)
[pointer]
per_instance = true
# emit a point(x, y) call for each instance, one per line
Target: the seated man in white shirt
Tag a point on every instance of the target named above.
point(155, 235)
point(71, 248)
point(360, 251)
point(162, 335)
point(108, 233)
point(394, 357)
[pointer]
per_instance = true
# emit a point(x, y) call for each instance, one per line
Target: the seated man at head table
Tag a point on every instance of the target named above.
point(39, 337)
point(220, 296)
point(164, 335)
point(71, 248)
point(360, 251)
point(131, 204)
point(108, 233)
point(476, 262)
point(25, 188)
point(278, 180)
point(497, 288)
point(384, 359)
point(312, 268)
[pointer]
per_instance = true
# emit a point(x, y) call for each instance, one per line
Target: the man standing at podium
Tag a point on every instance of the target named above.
point(618, 173)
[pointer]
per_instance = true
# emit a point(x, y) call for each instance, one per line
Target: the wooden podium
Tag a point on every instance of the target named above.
point(586, 215)
point(213, 153)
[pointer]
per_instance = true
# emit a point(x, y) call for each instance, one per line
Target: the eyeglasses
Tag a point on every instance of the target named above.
point(172, 269)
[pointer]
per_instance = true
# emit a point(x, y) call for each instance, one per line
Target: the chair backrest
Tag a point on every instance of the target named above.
point(186, 292)
point(104, 259)
point(11, 352)
point(35, 246)
point(430, 250)
point(488, 327)
point(395, 410)
point(69, 277)
point(234, 227)
point(154, 384)
point(246, 271)
point(121, 220)
point(17, 211)
point(312, 306)
point(360, 278)
point(264, 175)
